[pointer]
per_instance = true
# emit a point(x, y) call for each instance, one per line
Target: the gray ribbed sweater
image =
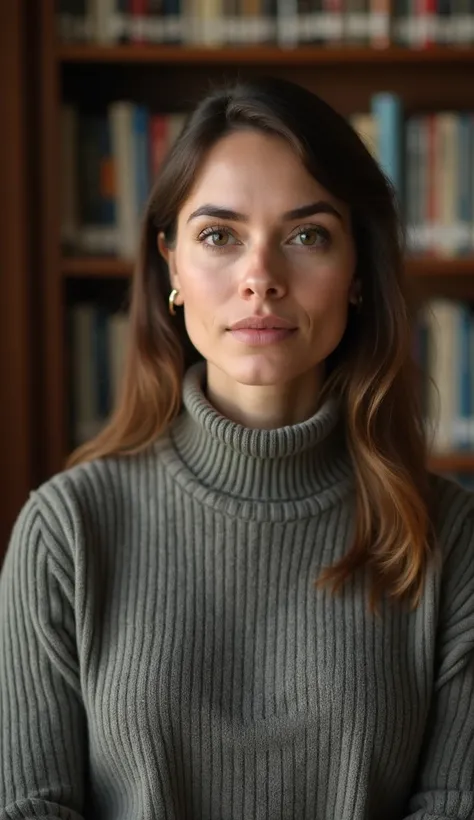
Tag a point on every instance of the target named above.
point(164, 653)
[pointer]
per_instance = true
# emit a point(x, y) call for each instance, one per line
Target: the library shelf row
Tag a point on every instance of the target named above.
point(454, 463)
point(420, 268)
point(261, 55)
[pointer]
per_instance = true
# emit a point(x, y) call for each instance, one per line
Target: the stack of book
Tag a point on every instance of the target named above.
point(377, 23)
point(444, 334)
point(429, 159)
point(445, 351)
point(108, 164)
point(97, 344)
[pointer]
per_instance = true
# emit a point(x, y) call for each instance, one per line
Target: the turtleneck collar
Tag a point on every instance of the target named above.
point(289, 463)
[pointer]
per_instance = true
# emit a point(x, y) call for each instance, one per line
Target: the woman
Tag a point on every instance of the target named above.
point(247, 598)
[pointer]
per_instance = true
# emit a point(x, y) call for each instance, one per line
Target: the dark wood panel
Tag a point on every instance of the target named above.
point(348, 86)
point(429, 269)
point(254, 55)
point(54, 363)
point(17, 474)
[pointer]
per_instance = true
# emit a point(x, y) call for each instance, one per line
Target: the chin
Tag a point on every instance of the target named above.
point(260, 373)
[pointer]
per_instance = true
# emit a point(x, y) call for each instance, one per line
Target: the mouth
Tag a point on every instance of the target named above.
point(269, 322)
point(262, 330)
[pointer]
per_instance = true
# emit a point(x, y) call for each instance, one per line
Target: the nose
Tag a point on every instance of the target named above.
point(259, 278)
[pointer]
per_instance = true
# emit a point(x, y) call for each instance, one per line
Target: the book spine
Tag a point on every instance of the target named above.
point(444, 22)
point(442, 355)
point(412, 183)
point(356, 22)
point(332, 22)
point(155, 22)
point(173, 22)
point(158, 142)
point(90, 205)
point(463, 363)
point(399, 26)
point(430, 163)
point(117, 330)
point(287, 23)
point(107, 174)
point(101, 14)
point(138, 21)
point(69, 178)
point(461, 23)
point(464, 176)
point(100, 360)
point(71, 20)
point(86, 421)
point(380, 21)
point(121, 119)
point(141, 157)
point(387, 110)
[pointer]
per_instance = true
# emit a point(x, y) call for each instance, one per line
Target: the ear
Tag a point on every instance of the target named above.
point(354, 291)
point(169, 255)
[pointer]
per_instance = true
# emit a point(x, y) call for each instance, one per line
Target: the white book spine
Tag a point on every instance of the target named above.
point(121, 122)
point(448, 195)
point(287, 22)
point(443, 355)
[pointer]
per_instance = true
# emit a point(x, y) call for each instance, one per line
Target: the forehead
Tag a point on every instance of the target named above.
point(249, 168)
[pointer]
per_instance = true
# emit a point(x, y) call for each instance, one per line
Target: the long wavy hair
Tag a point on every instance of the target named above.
point(372, 369)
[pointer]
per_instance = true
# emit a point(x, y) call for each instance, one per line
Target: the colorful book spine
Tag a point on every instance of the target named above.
point(387, 109)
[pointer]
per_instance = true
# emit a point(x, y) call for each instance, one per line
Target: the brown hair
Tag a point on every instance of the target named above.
point(372, 368)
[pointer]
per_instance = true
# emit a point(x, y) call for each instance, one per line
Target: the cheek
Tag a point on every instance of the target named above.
point(325, 290)
point(202, 282)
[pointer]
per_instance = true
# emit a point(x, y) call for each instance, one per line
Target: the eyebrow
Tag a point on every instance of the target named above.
point(321, 207)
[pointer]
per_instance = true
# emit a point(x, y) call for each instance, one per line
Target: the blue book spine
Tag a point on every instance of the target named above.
point(101, 361)
point(387, 109)
point(141, 146)
point(464, 334)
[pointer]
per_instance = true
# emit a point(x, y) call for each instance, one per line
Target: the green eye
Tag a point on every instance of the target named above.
point(308, 237)
point(219, 238)
point(311, 237)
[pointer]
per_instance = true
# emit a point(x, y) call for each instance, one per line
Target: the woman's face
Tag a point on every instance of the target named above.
point(259, 238)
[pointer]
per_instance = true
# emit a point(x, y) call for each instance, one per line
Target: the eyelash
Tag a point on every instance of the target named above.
point(212, 229)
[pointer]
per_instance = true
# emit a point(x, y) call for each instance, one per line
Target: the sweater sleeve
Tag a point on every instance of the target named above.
point(42, 718)
point(444, 789)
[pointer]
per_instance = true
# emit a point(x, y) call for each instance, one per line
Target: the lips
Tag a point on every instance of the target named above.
point(263, 323)
point(262, 330)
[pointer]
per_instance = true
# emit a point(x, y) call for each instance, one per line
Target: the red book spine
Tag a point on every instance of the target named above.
point(158, 142)
point(138, 12)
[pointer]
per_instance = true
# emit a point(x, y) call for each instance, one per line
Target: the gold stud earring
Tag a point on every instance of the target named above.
point(171, 301)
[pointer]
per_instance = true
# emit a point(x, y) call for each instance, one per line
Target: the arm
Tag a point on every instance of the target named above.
point(444, 789)
point(42, 719)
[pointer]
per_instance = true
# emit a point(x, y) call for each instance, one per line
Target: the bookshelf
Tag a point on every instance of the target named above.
point(165, 76)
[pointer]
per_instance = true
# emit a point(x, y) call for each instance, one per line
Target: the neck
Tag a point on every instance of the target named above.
point(264, 407)
point(246, 466)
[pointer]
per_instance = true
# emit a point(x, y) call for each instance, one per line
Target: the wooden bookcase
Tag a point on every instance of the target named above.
point(168, 79)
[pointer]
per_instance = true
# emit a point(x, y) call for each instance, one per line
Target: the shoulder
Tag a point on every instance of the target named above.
point(83, 503)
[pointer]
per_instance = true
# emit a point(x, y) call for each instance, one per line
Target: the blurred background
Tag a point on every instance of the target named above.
point(93, 92)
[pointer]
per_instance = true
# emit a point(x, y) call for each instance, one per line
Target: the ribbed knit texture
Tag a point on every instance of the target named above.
point(164, 653)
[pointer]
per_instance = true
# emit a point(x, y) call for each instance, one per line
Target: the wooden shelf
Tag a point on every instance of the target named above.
point(95, 267)
point(261, 55)
point(423, 268)
point(452, 463)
